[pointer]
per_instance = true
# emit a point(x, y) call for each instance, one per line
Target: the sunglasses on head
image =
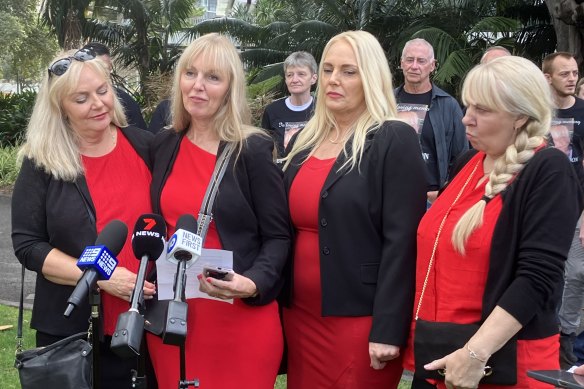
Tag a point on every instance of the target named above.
point(60, 66)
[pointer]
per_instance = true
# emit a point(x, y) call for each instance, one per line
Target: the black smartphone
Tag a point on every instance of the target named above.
point(218, 273)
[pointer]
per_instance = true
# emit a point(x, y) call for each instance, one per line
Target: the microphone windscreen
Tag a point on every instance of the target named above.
point(148, 237)
point(187, 222)
point(113, 236)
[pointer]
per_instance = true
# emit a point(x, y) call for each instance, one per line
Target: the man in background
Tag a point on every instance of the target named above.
point(561, 72)
point(494, 52)
point(443, 135)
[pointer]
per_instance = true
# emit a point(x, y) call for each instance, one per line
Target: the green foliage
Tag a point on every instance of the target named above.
point(25, 46)
point(9, 167)
point(15, 109)
point(459, 30)
point(8, 374)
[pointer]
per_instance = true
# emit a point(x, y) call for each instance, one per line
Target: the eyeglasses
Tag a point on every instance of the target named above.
point(59, 67)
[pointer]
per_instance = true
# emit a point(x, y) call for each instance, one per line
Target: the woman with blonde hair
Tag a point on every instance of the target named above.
point(82, 167)
point(356, 188)
point(491, 249)
point(237, 342)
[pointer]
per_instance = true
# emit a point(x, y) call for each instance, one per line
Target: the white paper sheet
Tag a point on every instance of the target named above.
point(209, 257)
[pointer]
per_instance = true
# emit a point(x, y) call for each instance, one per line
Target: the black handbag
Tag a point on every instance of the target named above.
point(65, 364)
point(435, 340)
point(155, 312)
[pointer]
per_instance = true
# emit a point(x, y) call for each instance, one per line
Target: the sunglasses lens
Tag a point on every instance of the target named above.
point(59, 67)
point(84, 55)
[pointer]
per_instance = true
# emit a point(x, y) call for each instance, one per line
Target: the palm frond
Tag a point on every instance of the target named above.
point(442, 42)
point(456, 65)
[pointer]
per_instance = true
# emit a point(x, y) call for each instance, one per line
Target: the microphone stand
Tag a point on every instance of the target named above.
point(95, 302)
point(175, 330)
point(127, 337)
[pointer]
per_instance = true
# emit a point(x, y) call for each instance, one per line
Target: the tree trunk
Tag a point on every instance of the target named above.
point(73, 36)
point(568, 19)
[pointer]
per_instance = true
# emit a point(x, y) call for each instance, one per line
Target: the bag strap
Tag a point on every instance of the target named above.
point(433, 255)
point(206, 212)
point(20, 314)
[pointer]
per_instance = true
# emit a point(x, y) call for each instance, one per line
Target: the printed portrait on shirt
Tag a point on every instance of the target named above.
point(560, 135)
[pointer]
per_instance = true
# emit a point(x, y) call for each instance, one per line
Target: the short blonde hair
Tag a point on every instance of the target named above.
point(232, 122)
point(380, 102)
point(50, 142)
point(514, 85)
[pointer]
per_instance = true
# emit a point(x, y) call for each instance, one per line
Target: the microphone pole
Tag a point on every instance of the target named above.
point(184, 249)
point(98, 262)
point(148, 244)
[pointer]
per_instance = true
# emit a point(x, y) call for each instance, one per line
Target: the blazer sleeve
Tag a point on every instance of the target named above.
point(30, 237)
point(552, 207)
point(271, 208)
point(403, 183)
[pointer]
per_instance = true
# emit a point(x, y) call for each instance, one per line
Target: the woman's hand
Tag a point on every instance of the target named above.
point(238, 287)
point(381, 353)
point(122, 283)
point(460, 370)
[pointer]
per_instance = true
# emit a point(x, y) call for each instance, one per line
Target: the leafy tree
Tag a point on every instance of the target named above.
point(459, 30)
point(144, 35)
point(568, 20)
point(66, 18)
point(25, 46)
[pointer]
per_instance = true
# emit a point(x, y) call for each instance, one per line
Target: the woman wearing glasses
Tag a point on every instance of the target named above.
point(82, 167)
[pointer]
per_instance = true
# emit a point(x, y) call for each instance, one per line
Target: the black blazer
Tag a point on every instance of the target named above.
point(367, 231)
point(48, 213)
point(250, 211)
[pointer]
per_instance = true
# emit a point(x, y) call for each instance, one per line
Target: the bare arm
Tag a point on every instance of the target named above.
point(465, 371)
point(61, 268)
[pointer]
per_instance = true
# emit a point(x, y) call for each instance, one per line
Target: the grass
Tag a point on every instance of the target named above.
point(8, 374)
point(8, 166)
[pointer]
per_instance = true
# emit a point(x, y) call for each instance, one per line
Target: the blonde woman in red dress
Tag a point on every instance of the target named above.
point(357, 190)
point(507, 220)
point(238, 344)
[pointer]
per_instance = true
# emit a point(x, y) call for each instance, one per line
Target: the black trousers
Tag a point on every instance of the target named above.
point(115, 372)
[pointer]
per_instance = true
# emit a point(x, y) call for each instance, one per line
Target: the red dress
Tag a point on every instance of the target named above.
point(119, 185)
point(323, 352)
point(228, 345)
point(456, 283)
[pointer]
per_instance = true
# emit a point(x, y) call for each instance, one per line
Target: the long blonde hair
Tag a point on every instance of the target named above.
point(232, 122)
point(514, 85)
point(50, 141)
point(380, 103)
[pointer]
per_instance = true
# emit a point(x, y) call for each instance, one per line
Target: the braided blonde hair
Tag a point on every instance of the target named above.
point(514, 85)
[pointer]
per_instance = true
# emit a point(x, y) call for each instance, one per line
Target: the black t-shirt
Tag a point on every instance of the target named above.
point(282, 122)
point(571, 120)
point(420, 104)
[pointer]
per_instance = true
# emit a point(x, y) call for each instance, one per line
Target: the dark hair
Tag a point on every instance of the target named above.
point(97, 48)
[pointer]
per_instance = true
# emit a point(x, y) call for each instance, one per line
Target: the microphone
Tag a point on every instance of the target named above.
point(98, 262)
point(185, 245)
point(184, 250)
point(148, 241)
